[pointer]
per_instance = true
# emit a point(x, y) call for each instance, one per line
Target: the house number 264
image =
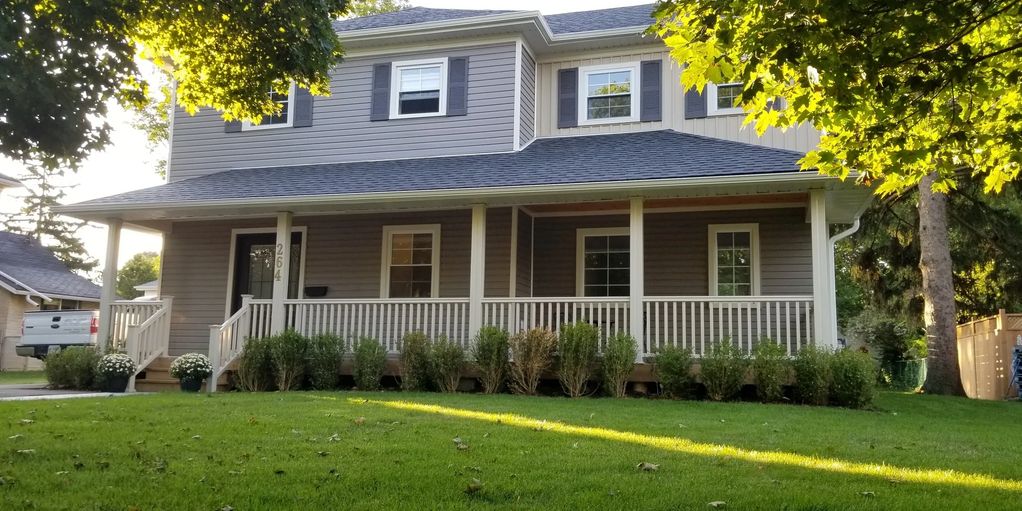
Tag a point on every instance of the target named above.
point(278, 262)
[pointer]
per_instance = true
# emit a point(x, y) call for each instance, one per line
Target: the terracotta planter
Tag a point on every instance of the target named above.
point(115, 384)
point(191, 385)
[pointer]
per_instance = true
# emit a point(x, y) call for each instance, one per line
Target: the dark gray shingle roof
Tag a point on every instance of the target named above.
point(603, 19)
point(408, 17)
point(23, 258)
point(569, 160)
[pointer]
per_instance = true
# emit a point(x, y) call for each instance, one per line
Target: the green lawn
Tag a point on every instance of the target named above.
point(337, 451)
point(12, 377)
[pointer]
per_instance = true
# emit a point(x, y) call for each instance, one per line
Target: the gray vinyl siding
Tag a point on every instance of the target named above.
point(498, 252)
point(341, 129)
point(523, 277)
point(528, 99)
point(676, 249)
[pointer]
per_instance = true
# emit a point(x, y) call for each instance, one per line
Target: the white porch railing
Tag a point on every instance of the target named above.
point(124, 314)
point(149, 340)
point(517, 314)
point(698, 322)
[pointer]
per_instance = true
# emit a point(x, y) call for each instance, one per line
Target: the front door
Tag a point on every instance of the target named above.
point(253, 267)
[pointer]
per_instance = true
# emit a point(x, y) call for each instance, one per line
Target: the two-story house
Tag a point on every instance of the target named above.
point(479, 168)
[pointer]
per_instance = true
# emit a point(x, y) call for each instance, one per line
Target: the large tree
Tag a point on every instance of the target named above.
point(63, 61)
point(141, 268)
point(910, 93)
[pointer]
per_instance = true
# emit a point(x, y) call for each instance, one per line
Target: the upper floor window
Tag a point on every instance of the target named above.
point(608, 94)
point(418, 88)
point(603, 262)
point(283, 119)
point(734, 260)
point(723, 99)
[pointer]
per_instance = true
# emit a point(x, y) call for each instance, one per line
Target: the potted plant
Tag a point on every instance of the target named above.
point(191, 369)
point(901, 353)
point(114, 370)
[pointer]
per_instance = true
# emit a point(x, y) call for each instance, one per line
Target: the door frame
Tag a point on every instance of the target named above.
point(304, 230)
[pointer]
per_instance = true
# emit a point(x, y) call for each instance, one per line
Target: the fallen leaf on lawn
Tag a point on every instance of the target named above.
point(197, 437)
point(323, 453)
point(360, 421)
point(574, 445)
point(253, 420)
point(718, 503)
point(474, 487)
point(457, 440)
point(26, 451)
point(868, 494)
point(227, 508)
point(15, 437)
point(648, 467)
point(334, 438)
point(62, 473)
point(463, 447)
point(27, 421)
point(79, 465)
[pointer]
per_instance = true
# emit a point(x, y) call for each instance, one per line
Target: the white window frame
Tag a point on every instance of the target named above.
point(248, 126)
point(395, 86)
point(753, 230)
point(385, 260)
point(263, 230)
point(580, 253)
point(711, 100)
point(583, 93)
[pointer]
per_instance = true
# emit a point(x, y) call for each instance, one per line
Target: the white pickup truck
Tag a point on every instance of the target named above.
point(44, 332)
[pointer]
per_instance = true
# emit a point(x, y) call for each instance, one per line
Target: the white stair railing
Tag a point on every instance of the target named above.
point(227, 340)
point(124, 314)
point(148, 340)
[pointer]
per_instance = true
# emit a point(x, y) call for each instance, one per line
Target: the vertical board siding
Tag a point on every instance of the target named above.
point(523, 276)
point(342, 130)
point(528, 99)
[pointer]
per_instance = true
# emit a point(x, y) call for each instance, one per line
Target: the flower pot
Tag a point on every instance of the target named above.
point(907, 375)
point(115, 383)
point(191, 385)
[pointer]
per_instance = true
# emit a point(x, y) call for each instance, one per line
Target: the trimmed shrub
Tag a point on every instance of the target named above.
point(490, 352)
point(771, 369)
point(577, 349)
point(533, 352)
point(287, 353)
point(723, 370)
point(416, 362)
point(812, 375)
point(673, 367)
point(255, 368)
point(73, 367)
point(618, 361)
point(370, 359)
point(325, 354)
point(887, 335)
point(853, 375)
point(448, 357)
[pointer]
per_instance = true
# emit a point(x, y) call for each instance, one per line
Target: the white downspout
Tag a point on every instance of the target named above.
point(833, 272)
point(33, 292)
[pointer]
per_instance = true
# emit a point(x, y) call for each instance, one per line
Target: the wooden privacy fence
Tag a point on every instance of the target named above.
point(984, 354)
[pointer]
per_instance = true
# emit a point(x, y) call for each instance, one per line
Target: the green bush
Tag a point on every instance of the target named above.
point(73, 367)
point(325, 354)
point(370, 360)
point(673, 367)
point(723, 370)
point(533, 352)
point(771, 370)
point(448, 358)
point(577, 349)
point(287, 353)
point(853, 375)
point(416, 362)
point(490, 352)
point(888, 336)
point(812, 375)
point(618, 362)
point(255, 367)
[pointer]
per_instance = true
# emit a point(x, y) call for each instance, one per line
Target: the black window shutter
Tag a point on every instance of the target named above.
point(650, 96)
point(302, 108)
point(695, 104)
point(232, 126)
point(567, 98)
point(380, 109)
point(457, 86)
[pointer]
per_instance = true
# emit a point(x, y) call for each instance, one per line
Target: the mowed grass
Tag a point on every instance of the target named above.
point(17, 377)
point(343, 450)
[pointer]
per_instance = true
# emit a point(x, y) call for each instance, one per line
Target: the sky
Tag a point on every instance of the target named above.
point(129, 164)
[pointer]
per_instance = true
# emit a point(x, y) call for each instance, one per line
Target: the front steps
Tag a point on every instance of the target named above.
point(156, 378)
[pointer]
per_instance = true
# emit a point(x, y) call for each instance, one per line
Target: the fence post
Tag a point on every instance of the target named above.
point(214, 356)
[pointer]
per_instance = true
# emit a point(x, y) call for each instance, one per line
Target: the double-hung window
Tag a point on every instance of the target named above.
point(603, 262)
point(282, 119)
point(411, 261)
point(734, 260)
point(418, 88)
point(608, 94)
point(724, 98)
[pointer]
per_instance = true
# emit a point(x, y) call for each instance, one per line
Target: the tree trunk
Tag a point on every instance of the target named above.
point(939, 315)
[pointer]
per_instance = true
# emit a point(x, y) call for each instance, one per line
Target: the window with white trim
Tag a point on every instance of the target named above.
point(284, 118)
point(723, 98)
point(411, 266)
point(734, 260)
point(603, 262)
point(608, 94)
point(418, 88)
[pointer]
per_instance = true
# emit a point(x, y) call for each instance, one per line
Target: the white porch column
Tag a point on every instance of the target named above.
point(477, 270)
point(823, 293)
point(636, 277)
point(109, 293)
point(281, 271)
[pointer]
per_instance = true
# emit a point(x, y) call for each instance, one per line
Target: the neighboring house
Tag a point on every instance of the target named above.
point(32, 278)
point(491, 168)
point(150, 291)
